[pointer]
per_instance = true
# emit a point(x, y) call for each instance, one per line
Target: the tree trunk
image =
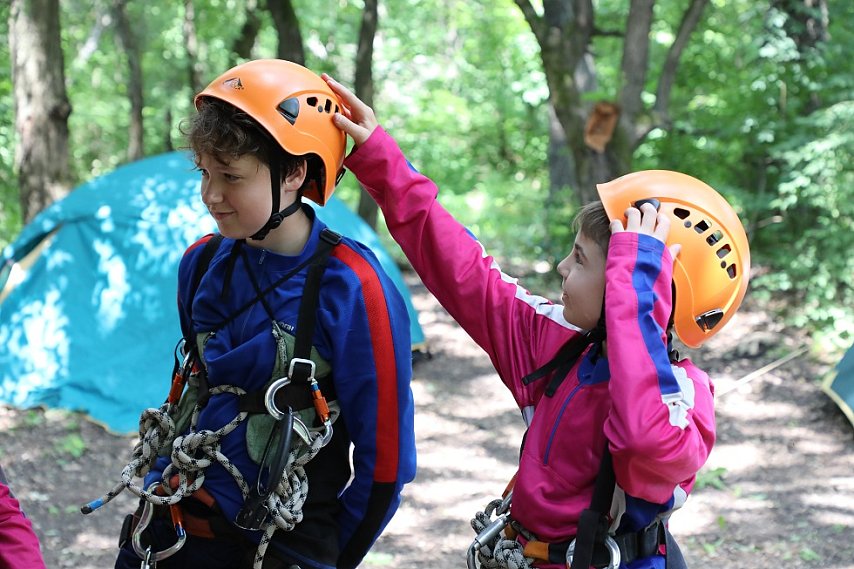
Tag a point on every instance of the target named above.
point(245, 40)
point(135, 81)
point(806, 24)
point(364, 89)
point(41, 104)
point(194, 65)
point(287, 28)
point(601, 137)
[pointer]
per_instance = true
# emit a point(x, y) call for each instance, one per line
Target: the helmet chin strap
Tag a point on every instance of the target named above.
point(277, 217)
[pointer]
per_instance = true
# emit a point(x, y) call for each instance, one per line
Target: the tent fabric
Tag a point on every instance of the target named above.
point(839, 384)
point(88, 319)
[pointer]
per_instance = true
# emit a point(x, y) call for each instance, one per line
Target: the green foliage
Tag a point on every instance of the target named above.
point(10, 209)
point(71, 444)
point(763, 119)
point(711, 478)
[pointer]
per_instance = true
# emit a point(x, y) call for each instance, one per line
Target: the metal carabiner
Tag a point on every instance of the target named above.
point(613, 552)
point(255, 513)
point(270, 398)
point(485, 536)
point(148, 556)
point(148, 562)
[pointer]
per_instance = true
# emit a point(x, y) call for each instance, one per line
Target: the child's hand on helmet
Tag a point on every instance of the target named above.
point(356, 118)
point(647, 221)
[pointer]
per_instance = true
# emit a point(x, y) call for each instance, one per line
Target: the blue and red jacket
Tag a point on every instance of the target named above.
point(362, 330)
point(656, 417)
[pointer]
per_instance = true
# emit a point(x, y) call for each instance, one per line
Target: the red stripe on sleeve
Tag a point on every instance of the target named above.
point(199, 243)
point(385, 467)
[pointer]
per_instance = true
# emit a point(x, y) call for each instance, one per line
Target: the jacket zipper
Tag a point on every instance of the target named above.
point(557, 422)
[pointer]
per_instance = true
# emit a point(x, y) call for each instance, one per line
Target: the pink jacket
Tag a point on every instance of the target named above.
point(657, 418)
point(19, 546)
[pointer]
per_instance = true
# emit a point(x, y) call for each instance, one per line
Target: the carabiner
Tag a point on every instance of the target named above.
point(148, 556)
point(613, 552)
point(254, 513)
point(270, 398)
point(148, 561)
point(485, 536)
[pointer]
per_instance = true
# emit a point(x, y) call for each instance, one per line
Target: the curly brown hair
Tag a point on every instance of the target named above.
point(221, 130)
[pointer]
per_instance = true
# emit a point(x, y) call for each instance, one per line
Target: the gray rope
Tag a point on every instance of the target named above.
point(500, 552)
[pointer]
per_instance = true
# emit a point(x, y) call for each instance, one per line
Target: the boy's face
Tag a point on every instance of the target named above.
point(583, 272)
point(237, 194)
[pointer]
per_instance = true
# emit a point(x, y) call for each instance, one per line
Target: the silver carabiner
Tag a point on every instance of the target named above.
point(485, 536)
point(613, 552)
point(148, 556)
point(270, 398)
point(148, 562)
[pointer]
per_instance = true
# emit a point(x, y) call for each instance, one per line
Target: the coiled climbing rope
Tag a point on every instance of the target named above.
point(493, 549)
point(194, 452)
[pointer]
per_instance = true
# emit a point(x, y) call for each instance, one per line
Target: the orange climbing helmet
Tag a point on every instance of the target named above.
point(711, 272)
point(295, 106)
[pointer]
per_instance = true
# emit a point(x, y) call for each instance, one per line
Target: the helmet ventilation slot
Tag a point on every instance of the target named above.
point(731, 271)
point(703, 226)
point(289, 108)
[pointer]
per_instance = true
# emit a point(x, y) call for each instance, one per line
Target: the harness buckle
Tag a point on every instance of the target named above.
point(610, 544)
point(302, 361)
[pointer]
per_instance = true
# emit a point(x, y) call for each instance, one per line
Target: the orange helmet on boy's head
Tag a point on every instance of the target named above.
point(295, 106)
point(711, 272)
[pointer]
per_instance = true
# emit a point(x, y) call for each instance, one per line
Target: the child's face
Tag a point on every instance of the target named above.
point(237, 194)
point(583, 273)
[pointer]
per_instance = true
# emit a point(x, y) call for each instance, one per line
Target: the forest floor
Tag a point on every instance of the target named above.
point(778, 490)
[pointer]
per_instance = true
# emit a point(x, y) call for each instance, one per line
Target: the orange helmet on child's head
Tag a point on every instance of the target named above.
point(295, 106)
point(711, 272)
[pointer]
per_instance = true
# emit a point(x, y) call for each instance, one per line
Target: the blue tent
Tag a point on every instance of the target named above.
point(839, 384)
point(87, 309)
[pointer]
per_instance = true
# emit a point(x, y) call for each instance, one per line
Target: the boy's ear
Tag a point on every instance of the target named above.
point(295, 179)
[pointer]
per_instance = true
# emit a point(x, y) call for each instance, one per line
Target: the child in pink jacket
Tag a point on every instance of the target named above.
point(618, 424)
point(19, 546)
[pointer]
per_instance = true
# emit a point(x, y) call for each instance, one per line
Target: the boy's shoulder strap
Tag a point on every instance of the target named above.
point(204, 261)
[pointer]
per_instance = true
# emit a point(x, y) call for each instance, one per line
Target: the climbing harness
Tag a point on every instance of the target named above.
point(277, 498)
point(593, 545)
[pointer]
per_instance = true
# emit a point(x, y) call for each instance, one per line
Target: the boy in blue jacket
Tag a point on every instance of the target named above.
point(297, 351)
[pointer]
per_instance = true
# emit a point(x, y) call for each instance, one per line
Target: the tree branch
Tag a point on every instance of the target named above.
point(690, 19)
point(635, 63)
point(535, 21)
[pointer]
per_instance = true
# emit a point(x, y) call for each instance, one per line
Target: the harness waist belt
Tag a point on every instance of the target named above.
point(633, 545)
point(295, 395)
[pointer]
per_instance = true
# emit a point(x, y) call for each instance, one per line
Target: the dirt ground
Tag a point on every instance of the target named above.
point(778, 490)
